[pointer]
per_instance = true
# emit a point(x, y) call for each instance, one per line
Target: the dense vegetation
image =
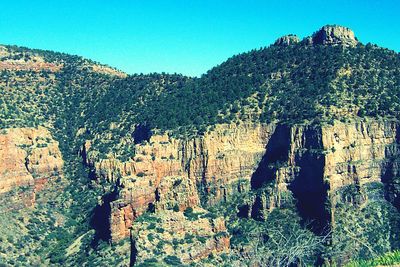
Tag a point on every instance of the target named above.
point(388, 259)
point(289, 84)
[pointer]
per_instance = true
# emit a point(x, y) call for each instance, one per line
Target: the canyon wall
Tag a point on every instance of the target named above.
point(313, 164)
point(29, 157)
point(167, 171)
point(307, 162)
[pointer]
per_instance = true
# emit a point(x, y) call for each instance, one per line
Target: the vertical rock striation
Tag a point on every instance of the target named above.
point(316, 162)
point(306, 162)
point(28, 158)
point(167, 171)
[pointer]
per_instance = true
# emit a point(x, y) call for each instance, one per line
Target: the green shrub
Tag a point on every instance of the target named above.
point(151, 226)
point(172, 260)
point(140, 174)
point(160, 230)
point(176, 208)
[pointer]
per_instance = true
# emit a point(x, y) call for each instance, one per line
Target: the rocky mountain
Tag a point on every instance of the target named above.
point(278, 156)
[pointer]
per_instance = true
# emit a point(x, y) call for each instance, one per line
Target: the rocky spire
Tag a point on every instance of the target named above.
point(333, 35)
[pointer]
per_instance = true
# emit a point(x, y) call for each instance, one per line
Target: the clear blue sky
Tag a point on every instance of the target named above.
point(184, 36)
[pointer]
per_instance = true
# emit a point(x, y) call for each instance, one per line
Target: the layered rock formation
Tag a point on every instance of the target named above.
point(309, 163)
point(28, 158)
point(314, 162)
point(327, 35)
point(167, 171)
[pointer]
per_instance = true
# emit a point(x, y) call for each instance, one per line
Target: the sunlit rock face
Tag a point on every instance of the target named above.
point(287, 40)
point(29, 157)
point(334, 35)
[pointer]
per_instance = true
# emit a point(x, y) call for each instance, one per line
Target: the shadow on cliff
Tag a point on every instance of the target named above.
point(276, 151)
point(100, 220)
point(141, 133)
point(311, 193)
point(308, 186)
point(391, 174)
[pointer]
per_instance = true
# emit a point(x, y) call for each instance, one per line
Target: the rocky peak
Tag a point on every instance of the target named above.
point(333, 35)
point(287, 40)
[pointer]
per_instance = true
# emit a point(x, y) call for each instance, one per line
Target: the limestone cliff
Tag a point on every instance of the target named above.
point(28, 158)
point(167, 171)
point(306, 161)
point(314, 162)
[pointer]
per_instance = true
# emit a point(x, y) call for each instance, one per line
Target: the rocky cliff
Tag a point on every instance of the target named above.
point(313, 163)
point(286, 40)
point(28, 158)
point(310, 162)
point(163, 149)
point(167, 171)
point(333, 35)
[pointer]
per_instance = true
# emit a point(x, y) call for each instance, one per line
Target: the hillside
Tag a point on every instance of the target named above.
point(297, 139)
point(280, 83)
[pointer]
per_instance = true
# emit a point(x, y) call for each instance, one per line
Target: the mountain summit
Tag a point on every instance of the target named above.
point(334, 35)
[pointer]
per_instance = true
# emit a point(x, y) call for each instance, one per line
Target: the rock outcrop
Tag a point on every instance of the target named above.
point(333, 35)
point(287, 40)
point(24, 62)
point(28, 158)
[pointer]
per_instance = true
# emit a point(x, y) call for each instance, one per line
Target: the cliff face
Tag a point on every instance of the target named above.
point(360, 152)
point(315, 163)
point(166, 171)
point(307, 163)
point(28, 158)
point(287, 40)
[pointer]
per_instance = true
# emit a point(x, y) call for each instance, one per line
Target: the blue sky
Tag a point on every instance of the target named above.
point(184, 36)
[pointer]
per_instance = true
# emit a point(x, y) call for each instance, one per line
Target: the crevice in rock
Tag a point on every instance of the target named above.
point(26, 163)
point(257, 209)
point(92, 174)
point(100, 220)
point(133, 256)
point(244, 211)
point(203, 185)
point(157, 195)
